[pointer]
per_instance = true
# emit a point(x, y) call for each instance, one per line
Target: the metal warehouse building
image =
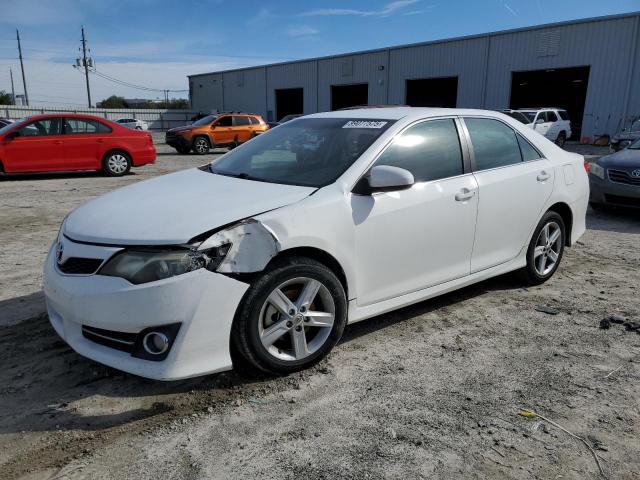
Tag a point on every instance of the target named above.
point(590, 67)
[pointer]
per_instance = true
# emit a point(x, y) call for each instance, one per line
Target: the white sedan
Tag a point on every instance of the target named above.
point(133, 123)
point(326, 220)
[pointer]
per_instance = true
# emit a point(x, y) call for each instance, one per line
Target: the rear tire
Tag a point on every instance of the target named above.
point(545, 249)
point(116, 164)
point(201, 145)
point(561, 140)
point(291, 317)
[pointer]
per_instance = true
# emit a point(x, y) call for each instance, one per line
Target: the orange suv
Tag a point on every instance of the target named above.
point(222, 130)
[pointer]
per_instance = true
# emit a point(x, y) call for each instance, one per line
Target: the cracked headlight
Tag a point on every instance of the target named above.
point(143, 266)
point(596, 170)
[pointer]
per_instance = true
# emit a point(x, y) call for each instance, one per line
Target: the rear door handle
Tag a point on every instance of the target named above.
point(57, 142)
point(100, 140)
point(543, 176)
point(464, 194)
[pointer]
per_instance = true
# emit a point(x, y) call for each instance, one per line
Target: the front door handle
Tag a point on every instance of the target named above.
point(464, 194)
point(543, 176)
point(57, 142)
point(99, 140)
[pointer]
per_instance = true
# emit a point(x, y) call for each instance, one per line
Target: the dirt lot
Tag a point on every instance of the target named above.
point(430, 391)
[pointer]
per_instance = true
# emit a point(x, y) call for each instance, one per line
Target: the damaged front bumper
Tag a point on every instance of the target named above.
point(202, 302)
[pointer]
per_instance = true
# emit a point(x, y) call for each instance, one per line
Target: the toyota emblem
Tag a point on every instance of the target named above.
point(59, 252)
point(636, 173)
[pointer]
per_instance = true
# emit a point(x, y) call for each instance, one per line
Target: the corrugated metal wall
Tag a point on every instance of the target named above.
point(483, 64)
point(293, 75)
point(464, 59)
point(361, 68)
point(605, 46)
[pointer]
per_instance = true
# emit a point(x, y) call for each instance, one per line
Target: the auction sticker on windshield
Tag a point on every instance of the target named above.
point(364, 124)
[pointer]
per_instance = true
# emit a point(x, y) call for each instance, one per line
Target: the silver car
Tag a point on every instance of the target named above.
point(615, 179)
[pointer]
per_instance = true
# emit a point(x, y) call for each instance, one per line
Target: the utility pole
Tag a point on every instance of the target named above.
point(24, 80)
point(86, 66)
point(13, 90)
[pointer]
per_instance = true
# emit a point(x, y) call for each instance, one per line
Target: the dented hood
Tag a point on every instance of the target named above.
point(172, 209)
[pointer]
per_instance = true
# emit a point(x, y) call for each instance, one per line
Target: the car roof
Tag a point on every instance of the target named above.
point(67, 114)
point(396, 113)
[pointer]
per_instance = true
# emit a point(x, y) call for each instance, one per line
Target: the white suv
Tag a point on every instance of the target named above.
point(553, 123)
point(133, 123)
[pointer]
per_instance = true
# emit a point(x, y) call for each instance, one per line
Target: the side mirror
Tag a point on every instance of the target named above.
point(540, 121)
point(213, 126)
point(14, 134)
point(384, 178)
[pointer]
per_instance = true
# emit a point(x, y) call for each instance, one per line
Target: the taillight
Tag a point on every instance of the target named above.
point(587, 165)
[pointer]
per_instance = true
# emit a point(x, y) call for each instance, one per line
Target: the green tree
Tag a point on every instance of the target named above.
point(5, 98)
point(112, 102)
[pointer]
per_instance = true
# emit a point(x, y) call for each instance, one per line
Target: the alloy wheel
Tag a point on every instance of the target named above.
point(296, 319)
point(547, 249)
point(201, 145)
point(118, 163)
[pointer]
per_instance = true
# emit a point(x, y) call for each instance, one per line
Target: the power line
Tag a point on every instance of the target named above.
point(133, 85)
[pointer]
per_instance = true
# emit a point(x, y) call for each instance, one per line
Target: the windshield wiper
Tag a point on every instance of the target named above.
point(242, 175)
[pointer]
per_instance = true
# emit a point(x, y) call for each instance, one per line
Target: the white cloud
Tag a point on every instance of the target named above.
point(301, 31)
point(387, 10)
point(263, 16)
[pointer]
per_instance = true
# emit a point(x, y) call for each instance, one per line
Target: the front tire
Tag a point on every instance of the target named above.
point(545, 249)
point(201, 145)
point(291, 317)
point(116, 164)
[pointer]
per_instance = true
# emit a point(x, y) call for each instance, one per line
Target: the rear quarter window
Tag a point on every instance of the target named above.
point(563, 115)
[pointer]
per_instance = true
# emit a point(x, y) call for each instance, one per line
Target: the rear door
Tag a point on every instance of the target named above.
point(241, 128)
point(84, 143)
point(514, 183)
point(37, 147)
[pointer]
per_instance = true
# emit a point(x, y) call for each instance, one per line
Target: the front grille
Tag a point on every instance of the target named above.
point(624, 201)
point(119, 340)
point(621, 176)
point(80, 266)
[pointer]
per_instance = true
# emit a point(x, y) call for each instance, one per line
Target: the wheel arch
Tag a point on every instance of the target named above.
point(564, 210)
point(120, 150)
point(319, 255)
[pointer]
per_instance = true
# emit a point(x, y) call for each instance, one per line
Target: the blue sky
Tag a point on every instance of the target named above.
point(158, 43)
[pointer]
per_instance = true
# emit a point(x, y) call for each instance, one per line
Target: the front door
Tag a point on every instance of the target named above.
point(36, 147)
point(222, 130)
point(412, 239)
point(543, 123)
point(514, 183)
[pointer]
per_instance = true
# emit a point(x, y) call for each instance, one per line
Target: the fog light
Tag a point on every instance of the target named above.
point(155, 343)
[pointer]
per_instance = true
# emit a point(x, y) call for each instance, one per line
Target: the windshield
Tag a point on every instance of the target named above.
point(518, 116)
point(8, 127)
point(311, 152)
point(205, 120)
point(635, 146)
point(531, 116)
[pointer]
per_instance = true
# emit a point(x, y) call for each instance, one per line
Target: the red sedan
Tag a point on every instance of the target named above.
point(67, 141)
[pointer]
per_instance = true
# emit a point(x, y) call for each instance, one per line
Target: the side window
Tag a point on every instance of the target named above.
point(552, 117)
point(84, 125)
point(240, 121)
point(49, 126)
point(494, 144)
point(224, 122)
point(254, 121)
point(429, 150)
point(527, 150)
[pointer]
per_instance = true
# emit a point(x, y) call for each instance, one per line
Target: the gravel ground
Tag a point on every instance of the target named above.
point(429, 391)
